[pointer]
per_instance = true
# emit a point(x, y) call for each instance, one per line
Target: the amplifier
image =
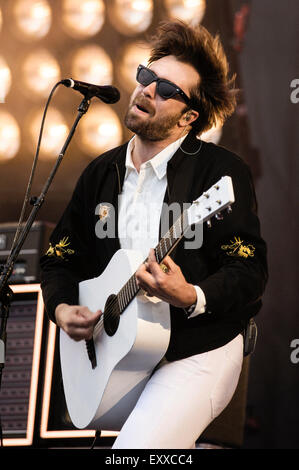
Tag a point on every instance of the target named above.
point(21, 382)
point(26, 269)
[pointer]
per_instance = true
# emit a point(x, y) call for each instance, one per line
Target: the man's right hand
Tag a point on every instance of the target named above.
point(77, 321)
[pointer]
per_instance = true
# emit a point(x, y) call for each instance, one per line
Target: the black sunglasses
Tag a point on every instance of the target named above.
point(165, 88)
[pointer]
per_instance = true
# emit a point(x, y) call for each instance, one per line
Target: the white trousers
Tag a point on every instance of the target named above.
point(182, 398)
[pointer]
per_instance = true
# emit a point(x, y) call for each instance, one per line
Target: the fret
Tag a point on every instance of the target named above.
point(165, 247)
point(135, 283)
point(173, 232)
point(121, 300)
point(168, 244)
point(130, 289)
point(126, 294)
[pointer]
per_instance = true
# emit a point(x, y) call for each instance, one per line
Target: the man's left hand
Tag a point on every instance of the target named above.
point(169, 285)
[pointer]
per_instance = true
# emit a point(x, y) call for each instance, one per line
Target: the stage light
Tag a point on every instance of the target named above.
point(40, 71)
point(83, 18)
point(9, 136)
point(54, 134)
point(130, 16)
point(191, 11)
point(93, 65)
point(33, 17)
point(131, 56)
point(100, 130)
point(5, 79)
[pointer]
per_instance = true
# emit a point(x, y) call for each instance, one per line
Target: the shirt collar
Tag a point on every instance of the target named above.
point(159, 161)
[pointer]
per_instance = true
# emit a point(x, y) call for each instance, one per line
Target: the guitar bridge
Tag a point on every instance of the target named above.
point(91, 352)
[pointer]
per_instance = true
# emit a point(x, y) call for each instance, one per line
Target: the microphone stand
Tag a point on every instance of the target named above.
point(6, 294)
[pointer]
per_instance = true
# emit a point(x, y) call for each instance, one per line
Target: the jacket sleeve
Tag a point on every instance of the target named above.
point(235, 250)
point(68, 259)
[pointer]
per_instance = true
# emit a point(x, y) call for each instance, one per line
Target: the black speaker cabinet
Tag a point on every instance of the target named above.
point(20, 387)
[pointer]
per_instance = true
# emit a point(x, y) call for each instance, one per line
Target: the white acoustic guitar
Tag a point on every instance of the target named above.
point(104, 377)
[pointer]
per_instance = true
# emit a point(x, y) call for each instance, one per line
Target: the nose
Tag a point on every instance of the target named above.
point(150, 90)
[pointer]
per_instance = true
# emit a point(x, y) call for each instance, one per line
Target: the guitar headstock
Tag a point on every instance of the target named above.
point(212, 202)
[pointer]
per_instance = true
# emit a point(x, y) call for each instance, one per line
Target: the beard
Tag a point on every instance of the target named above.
point(154, 128)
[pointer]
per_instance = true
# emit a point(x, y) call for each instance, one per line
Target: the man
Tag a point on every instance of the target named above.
point(211, 291)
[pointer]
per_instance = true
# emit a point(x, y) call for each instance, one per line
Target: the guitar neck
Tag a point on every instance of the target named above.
point(164, 247)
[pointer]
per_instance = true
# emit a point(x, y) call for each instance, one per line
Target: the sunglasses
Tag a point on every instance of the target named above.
point(165, 88)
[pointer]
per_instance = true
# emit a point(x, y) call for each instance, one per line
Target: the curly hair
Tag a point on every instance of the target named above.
point(215, 96)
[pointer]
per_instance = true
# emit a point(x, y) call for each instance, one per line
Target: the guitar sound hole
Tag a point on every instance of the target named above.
point(111, 315)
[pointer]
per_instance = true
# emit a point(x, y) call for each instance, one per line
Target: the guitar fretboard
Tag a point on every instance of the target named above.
point(165, 245)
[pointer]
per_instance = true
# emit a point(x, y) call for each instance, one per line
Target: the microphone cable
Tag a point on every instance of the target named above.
point(33, 169)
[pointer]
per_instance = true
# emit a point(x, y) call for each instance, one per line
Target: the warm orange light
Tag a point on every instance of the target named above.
point(33, 17)
point(191, 11)
point(10, 136)
point(130, 17)
point(131, 56)
point(100, 130)
point(83, 18)
point(54, 134)
point(5, 79)
point(41, 71)
point(93, 65)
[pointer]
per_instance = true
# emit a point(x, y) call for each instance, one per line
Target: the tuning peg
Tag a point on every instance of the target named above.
point(219, 216)
point(209, 223)
point(229, 209)
point(206, 195)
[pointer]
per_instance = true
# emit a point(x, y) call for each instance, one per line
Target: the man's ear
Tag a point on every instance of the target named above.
point(189, 117)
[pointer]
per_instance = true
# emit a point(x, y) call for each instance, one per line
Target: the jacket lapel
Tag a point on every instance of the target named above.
point(180, 171)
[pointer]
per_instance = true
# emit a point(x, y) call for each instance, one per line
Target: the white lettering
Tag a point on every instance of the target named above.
point(295, 93)
point(295, 354)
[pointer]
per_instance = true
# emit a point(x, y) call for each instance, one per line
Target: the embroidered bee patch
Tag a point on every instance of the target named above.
point(103, 212)
point(60, 249)
point(236, 248)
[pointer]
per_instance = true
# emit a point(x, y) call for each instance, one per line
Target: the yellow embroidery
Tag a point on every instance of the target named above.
point(237, 249)
point(103, 212)
point(60, 249)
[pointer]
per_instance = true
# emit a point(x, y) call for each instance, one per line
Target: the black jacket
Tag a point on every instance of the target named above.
point(230, 267)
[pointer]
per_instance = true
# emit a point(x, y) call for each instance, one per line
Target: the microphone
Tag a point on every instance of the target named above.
point(106, 93)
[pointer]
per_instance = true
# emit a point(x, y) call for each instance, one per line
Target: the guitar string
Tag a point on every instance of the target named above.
point(109, 312)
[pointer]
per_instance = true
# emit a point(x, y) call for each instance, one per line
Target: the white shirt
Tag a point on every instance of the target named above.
point(140, 206)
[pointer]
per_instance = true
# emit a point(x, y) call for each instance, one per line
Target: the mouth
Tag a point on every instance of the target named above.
point(142, 108)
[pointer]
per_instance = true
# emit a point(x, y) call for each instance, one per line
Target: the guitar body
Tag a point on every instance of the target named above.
point(103, 397)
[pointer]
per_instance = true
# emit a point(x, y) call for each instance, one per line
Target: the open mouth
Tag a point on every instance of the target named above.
point(141, 108)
